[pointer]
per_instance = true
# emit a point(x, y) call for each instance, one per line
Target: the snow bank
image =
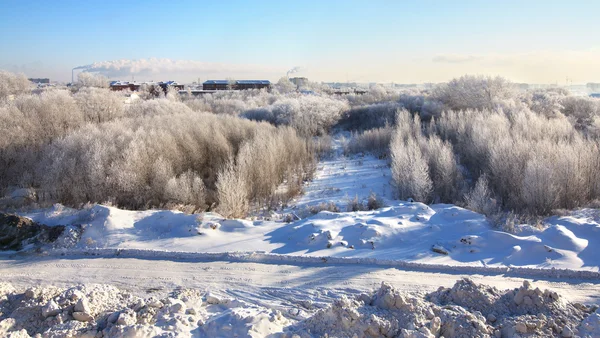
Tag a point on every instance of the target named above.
point(465, 310)
point(411, 232)
point(104, 311)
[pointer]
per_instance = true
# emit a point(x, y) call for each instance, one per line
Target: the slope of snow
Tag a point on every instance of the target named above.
point(406, 231)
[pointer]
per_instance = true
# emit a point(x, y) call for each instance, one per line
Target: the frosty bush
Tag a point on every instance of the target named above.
point(187, 188)
point(309, 115)
point(369, 116)
point(375, 141)
point(154, 161)
point(100, 105)
point(232, 102)
point(85, 79)
point(375, 202)
point(13, 84)
point(90, 146)
point(232, 193)
point(479, 199)
point(529, 162)
point(582, 111)
point(322, 146)
point(423, 167)
point(474, 92)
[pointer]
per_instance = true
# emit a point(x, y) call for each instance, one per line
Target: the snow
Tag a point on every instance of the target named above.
point(465, 309)
point(402, 231)
point(440, 234)
point(167, 273)
point(405, 231)
point(343, 178)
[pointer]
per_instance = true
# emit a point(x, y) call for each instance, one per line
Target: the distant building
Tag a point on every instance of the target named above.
point(235, 85)
point(40, 81)
point(216, 85)
point(165, 85)
point(124, 85)
point(299, 81)
point(339, 85)
point(522, 86)
point(348, 91)
point(593, 86)
point(135, 86)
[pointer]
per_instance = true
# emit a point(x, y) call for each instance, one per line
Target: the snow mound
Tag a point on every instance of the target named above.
point(465, 310)
point(520, 311)
point(440, 234)
point(392, 313)
point(98, 310)
point(590, 327)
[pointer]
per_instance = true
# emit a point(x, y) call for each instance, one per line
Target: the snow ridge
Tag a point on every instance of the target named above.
point(264, 257)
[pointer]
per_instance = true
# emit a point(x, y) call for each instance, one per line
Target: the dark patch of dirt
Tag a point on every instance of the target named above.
point(17, 231)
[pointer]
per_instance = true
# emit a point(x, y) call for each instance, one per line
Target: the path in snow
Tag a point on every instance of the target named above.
point(277, 285)
point(341, 178)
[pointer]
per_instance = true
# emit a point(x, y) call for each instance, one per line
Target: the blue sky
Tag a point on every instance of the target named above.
point(401, 41)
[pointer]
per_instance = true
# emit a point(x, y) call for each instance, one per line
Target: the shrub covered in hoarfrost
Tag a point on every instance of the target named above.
point(310, 115)
point(532, 163)
point(90, 146)
point(13, 84)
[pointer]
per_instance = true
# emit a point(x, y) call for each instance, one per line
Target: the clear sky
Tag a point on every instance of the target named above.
point(379, 41)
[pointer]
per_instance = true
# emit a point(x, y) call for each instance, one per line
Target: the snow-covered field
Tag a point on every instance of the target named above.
point(314, 276)
point(405, 231)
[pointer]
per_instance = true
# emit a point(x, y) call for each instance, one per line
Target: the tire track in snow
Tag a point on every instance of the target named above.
point(281, 283)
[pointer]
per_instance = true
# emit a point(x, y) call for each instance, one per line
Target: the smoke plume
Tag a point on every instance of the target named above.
point(155, 66)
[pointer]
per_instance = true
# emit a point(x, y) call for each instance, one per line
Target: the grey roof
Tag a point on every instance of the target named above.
point(257, 82)
point(216, 82)
point(263, 82)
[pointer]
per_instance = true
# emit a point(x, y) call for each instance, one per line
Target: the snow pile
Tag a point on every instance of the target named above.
point(466, 310)
point(392, 313)
point(590, 327)
point(441, 234)
point(103, 311)
point(523, 311)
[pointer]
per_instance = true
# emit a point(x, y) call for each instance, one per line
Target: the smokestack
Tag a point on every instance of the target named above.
point(292, 71)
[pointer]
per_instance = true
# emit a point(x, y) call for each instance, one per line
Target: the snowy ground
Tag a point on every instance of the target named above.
point(405, 231)
point(270, 276)
point(342, 178)
point(225, 299)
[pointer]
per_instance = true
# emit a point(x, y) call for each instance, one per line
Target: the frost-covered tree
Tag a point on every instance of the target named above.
point(284, 85)
point(86, 79)
point(13, 84)
point(410, 170)
point(232, 191)
point(99, 104)
point(480, 198)
point(474, 92)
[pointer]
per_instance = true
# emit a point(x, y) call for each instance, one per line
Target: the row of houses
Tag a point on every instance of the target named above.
point(236, 84)
point(135, 86)
point(210, 85)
